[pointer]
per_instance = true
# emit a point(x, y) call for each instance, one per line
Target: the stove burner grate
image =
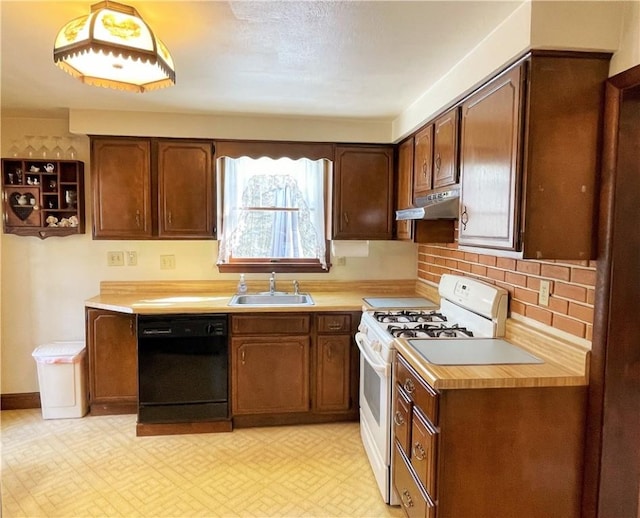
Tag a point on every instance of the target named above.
point(430, 331)
point(408, 316)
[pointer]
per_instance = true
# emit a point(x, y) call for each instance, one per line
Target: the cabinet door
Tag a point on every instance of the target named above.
point(333, 373)
point(112, 349)
point(270, 375)
point(491, 122)
point(404, 229)
point(185, 190)
point(363, 192)
point(445, 149)
point(121, 188)
point(423, 161)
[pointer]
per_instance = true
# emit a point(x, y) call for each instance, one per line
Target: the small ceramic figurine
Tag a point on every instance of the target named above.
point(49, 168)
point(34, 169)
point(52, 221)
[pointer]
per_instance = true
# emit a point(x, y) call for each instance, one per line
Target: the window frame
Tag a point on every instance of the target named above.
point(276, 150)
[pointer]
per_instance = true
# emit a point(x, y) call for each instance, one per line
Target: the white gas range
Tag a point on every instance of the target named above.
point(469, 309)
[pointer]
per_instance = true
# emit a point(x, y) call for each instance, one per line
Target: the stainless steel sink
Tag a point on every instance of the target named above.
point(276, 299)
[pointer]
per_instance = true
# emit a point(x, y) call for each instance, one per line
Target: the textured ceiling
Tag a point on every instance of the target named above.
point(355, 59)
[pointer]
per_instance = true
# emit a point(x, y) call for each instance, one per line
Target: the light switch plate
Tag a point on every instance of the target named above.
point(543, 296)
point(115, 258)
point(167, 262)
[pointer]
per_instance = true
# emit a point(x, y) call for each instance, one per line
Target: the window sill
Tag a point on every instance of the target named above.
point(266, 267)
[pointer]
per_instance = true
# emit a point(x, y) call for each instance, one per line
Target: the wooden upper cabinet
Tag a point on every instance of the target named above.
point(404, 193)
point(363, 192)
point(423, 162)
point(149, 188)
point(121, 178)
point(185, 190)
point(489, 163)
point(445, 149)
point(530, 156)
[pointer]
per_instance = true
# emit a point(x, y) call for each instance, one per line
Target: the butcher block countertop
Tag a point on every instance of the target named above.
point(565, 363)
point(170, 297)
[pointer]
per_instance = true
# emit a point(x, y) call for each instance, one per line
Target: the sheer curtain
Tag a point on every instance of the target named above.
point(278, 203)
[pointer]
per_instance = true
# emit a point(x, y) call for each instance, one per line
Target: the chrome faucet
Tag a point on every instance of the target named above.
point(296, 288)
point(272, 283)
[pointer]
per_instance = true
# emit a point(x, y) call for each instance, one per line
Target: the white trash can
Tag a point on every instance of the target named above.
point(62, 379)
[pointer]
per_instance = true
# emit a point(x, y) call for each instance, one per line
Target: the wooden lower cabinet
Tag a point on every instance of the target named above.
point(270, 374)
point(112, 350)
point(290, 368)
point(491, 453)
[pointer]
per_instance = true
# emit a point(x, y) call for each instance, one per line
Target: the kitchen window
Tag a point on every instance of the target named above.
point(273, 214)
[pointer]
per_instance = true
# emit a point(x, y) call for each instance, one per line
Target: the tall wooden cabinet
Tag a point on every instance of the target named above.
point(363, 192)
point(491, 135)
point(530, 157)
point(112, 348)
point(152, 188)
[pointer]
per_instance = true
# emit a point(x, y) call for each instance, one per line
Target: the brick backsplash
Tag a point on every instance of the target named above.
point(572, 284)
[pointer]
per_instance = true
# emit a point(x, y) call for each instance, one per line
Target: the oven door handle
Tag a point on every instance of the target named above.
point(380, 368)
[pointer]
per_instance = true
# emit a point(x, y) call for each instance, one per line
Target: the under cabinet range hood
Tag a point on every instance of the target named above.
point(443, 204)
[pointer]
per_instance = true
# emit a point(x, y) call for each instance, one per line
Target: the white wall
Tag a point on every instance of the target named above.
point(45, 282)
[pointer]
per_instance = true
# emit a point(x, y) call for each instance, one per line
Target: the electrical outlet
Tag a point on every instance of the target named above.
point(543, 298)
point(132, 258)
point(167, 262)
point(115, 258)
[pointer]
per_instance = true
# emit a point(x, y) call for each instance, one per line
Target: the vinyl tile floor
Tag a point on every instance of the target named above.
point(97, 467)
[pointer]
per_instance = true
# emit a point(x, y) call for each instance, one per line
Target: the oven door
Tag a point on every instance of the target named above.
point(375, 413)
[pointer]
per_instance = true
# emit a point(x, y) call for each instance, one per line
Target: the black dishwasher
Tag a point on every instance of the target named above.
point(182, 368)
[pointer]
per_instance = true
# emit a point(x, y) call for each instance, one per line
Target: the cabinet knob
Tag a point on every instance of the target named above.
point(438, 162)
point(418, 451)
point(405, 496)
point(345, 215)
point(424, 168)
point(138, 218)
point(170, 218)
point(398, 419)
point(409, 386)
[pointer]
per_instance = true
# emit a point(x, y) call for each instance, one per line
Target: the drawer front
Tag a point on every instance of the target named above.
point(334, 323)
point(423, 451)
point(412, 500)
point(262, 324)
point(402, 420)
point(422, 394)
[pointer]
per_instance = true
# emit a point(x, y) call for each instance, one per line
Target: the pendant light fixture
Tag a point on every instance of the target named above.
point(113, 47)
